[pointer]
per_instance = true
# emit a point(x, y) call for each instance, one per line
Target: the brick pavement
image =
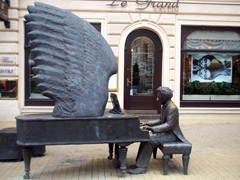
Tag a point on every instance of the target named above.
point(215, 156)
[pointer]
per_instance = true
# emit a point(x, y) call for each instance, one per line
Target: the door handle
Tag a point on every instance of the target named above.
point(128, 82)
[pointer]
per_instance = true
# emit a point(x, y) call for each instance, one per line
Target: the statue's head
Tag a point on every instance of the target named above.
point(164, 94)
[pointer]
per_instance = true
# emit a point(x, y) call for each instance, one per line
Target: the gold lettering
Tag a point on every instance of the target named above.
point(124, 3)
point(175, 5)
point(146, 3)
point(112, 4)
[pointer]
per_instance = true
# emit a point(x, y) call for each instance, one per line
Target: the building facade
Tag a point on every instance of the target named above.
point(191, 46)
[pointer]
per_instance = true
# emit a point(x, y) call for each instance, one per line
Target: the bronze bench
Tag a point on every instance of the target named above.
point(170, 148)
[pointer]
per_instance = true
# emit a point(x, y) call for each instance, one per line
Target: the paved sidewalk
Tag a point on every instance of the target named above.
point(215, 156)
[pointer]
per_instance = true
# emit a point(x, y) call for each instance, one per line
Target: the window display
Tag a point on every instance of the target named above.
point(8, 89)
point(211, 68)
point(208, 68)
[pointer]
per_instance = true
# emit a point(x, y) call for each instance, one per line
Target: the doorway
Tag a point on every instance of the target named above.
point(142, 73)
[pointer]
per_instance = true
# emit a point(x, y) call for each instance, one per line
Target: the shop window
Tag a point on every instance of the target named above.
point(8, 89)
point(33, 96)
point(210, 71)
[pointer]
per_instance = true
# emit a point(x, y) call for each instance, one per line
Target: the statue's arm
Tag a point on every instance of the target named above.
point(161, 128)
point(171, 122)
point(151, 123)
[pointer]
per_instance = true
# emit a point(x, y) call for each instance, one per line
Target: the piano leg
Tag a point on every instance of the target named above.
point(116, 162)
point(27, 154)
point(110, 147)
point(122, 158)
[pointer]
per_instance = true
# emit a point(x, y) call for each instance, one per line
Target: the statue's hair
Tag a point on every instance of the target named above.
point(165, 92)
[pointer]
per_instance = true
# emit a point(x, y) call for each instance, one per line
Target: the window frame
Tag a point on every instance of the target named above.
point(27, 50)
point(185, 31)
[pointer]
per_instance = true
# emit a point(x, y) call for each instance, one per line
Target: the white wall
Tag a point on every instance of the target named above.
point(117, 23)
point(9, 48)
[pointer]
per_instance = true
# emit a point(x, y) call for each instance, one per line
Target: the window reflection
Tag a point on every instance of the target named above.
point(142, 66)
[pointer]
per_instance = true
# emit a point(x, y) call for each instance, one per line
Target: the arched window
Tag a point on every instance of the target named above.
point(210, 71)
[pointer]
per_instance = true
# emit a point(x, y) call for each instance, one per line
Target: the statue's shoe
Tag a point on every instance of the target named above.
point(132, 166)
point(137, 170)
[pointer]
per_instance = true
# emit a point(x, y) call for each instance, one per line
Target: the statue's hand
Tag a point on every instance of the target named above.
point(149, 128)
point(153, 129)
point(143, 124)
point(144, 128)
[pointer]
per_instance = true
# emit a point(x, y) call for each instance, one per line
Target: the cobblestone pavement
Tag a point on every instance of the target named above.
point(215, 156)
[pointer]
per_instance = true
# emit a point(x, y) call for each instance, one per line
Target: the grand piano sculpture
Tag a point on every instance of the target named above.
point(73, 66)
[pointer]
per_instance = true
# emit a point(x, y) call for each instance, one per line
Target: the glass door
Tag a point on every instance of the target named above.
point(142, 70)
point(142, 67)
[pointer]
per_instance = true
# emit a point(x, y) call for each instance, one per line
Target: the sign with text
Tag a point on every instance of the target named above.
point(8, 59)
point(8, 71)
point(144, 4)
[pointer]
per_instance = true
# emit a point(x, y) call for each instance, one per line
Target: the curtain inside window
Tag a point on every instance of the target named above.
point(220, 40)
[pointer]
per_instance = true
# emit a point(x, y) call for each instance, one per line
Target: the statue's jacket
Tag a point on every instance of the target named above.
point(168, 128)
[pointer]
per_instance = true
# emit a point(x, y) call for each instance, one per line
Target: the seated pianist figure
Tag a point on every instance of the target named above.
point(166, 129)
